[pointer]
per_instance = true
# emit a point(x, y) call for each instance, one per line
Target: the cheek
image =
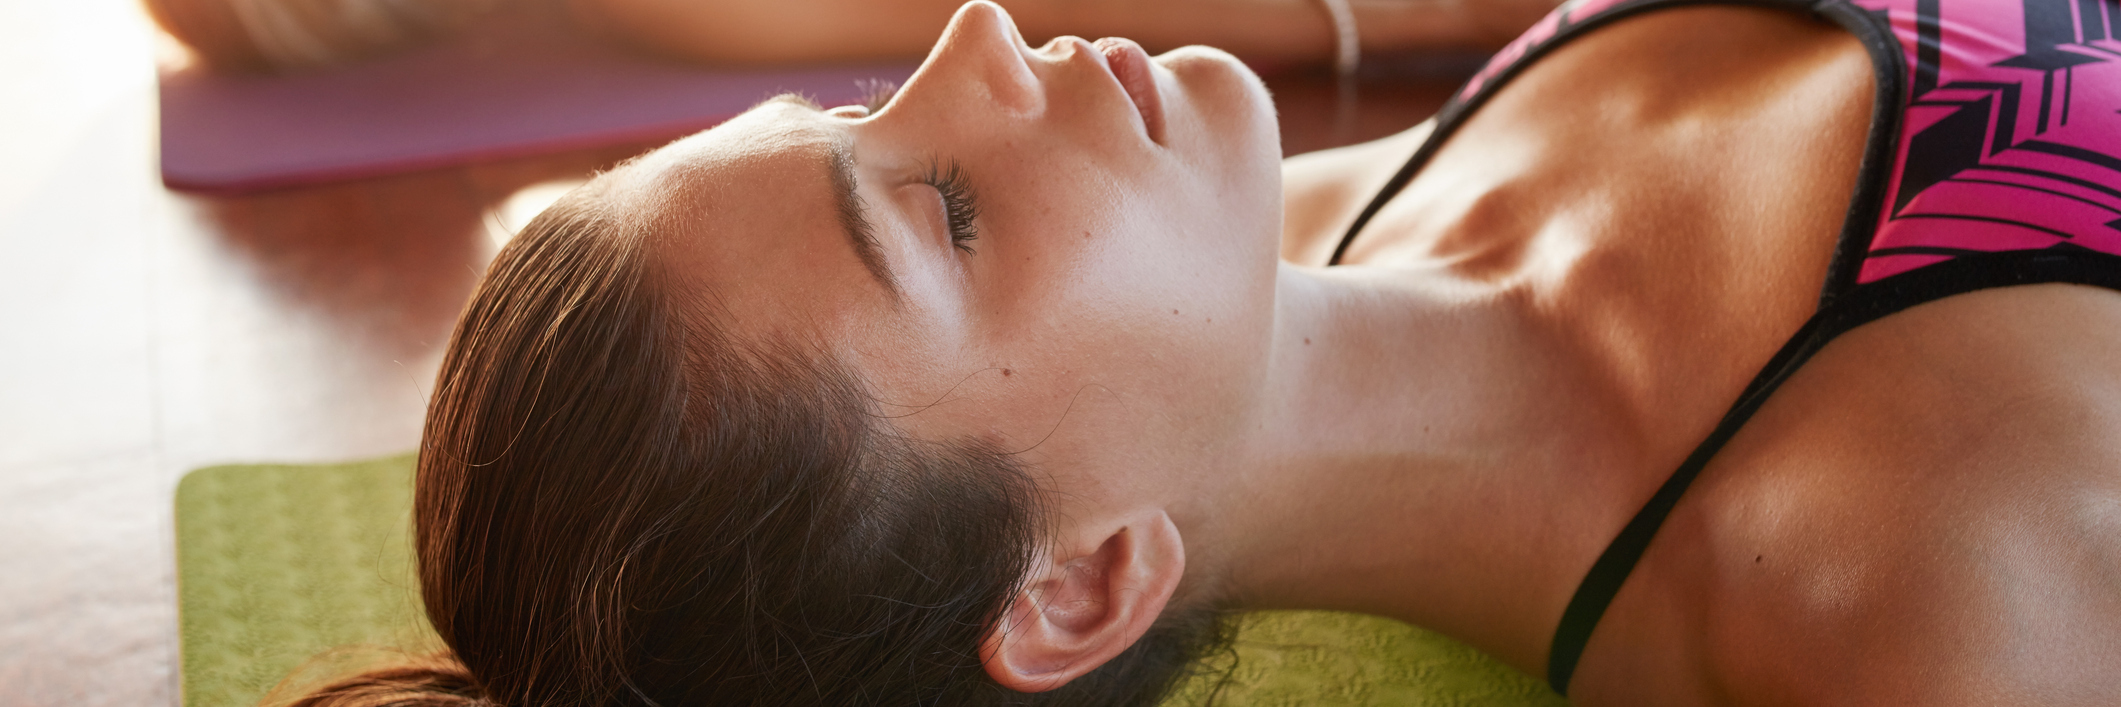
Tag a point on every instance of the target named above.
point(1162, 259)
point(1156, 300)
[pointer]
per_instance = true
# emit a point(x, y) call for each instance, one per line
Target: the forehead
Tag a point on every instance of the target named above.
point(780, 138)
point(745, 216)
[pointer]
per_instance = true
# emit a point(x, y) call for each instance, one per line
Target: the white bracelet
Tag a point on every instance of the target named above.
point(1347, 57)
point(1347, 45)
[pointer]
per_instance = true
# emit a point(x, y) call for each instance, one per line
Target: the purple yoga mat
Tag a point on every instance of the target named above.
point(517, 83)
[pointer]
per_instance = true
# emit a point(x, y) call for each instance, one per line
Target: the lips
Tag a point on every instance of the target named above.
point(1130, 64)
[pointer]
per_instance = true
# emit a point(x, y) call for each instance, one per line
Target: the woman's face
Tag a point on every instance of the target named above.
point(1068, 250)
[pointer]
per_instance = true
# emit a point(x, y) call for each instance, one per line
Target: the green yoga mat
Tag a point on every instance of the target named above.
point(305, 570)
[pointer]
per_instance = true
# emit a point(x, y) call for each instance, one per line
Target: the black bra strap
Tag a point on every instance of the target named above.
point(1460, 107)
point(1391, 188)
point(2063, 263)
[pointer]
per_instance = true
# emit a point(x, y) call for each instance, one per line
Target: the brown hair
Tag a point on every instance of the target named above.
point(617, 503)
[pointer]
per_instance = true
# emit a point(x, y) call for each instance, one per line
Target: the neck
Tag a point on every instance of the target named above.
point(1393, 474)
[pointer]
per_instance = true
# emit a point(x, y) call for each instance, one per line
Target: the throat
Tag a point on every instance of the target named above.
point(1394, 474)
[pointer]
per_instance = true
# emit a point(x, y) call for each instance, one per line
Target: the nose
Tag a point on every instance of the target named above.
point(982, 42)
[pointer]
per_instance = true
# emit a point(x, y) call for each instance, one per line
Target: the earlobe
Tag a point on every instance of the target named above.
point(1076, 612)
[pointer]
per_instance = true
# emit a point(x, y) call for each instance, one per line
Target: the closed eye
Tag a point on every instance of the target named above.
point(960, 208)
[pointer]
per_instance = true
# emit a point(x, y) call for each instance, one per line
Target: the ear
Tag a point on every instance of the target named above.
point(1078, 612)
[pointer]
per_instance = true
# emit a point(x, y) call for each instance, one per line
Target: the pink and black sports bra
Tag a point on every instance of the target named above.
point(1994, 159)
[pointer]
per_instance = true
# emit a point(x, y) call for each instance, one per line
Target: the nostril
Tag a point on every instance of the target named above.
point(1067, 47)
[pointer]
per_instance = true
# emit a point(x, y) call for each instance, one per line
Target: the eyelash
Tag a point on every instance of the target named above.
point(959, 208)
point(947, 178)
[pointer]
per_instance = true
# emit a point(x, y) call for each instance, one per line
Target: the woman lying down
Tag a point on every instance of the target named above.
point(1701, 354)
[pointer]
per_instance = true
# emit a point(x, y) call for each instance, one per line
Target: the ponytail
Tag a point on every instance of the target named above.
point(438, 680)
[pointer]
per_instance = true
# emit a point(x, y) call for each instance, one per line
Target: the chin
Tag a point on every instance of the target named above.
point(1225, 93)
point(1231, 124)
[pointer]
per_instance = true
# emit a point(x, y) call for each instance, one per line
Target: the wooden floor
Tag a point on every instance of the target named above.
point(144, 333)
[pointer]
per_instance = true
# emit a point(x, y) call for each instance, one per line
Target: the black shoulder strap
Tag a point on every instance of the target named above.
point(1611, 570)
point(1461, 106)
point(2064, 263)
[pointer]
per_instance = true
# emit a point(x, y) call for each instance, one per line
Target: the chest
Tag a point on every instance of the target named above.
point(1666, 191)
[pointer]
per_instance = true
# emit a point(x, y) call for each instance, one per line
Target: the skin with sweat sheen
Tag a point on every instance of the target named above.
point(1097, 260)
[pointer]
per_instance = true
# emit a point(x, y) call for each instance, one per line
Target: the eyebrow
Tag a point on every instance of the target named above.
point(853, 218)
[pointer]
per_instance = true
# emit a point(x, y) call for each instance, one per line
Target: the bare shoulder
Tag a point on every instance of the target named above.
point(1928, 513)
point(1323, 191)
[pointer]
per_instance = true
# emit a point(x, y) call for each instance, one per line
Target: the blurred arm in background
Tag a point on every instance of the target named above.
point(291, 35)
point(782, 31)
